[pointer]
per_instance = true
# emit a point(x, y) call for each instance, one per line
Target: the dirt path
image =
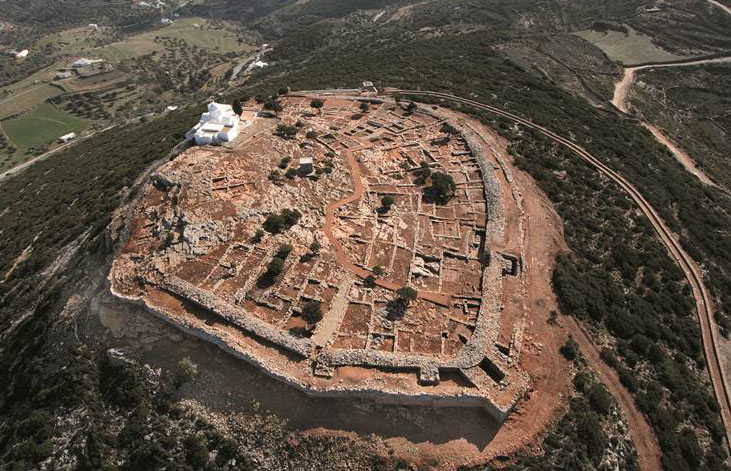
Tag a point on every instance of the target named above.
point(621, 88)
point(667, 237)
point(340, 256)
point(621, 93)
point(643, 437)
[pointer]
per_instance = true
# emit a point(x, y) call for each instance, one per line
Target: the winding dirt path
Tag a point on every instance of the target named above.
point(621, 89)
point(643, 437)
point(667, 237)
point(621, 93)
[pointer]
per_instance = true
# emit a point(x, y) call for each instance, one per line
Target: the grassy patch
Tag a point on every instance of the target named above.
point(42, 126)
point(26, 99)
point(628, 48)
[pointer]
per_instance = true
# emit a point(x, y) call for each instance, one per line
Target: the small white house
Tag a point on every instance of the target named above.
point(67, 137)
point(21, 54)
point(84, 62)
point(218, 124)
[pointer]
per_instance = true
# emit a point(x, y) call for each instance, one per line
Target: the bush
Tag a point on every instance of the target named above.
point(286, 131)
point(196, 451)
point(406, 294)
point(386, 203)
point(599, 399)
point(276, 223)
point(442, 188)
point(275, 267)
point(185, 372)
point(317, 104)
point(312, 312)
point(570, 349)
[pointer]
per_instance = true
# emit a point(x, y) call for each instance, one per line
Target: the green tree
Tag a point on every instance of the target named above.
point(442, 188)
point(406, 294)
point(386, 203)
point(237, 108)
point(196, 451)
point(312, 312)
point(364, 107)
point(317, 104)
point(570, 349)
point(378, 270)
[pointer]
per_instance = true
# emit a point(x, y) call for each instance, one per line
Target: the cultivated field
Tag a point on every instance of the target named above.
point(22, 101)
point(41, 126)
point(628, 48)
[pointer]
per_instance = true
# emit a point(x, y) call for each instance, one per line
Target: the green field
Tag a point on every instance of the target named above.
point(41, 126)
point(628, 48)
point(26, 99)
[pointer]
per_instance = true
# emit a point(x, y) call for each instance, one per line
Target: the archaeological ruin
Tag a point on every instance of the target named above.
point(349, 250)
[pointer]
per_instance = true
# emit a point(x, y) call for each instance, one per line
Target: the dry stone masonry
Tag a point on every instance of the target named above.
point(314, 299)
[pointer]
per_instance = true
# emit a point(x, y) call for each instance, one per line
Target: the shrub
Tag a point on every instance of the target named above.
point(275, 267)
point(315, 247)
point(406, 294)
point(276, 223)
point(284, 251)
point(442, 188)
point(317, 104)
point(185, 372)
point(570, 349)
point(378, 270)
point(286, 131)
point(196, 451)
point(312, 312)
point(599, 398)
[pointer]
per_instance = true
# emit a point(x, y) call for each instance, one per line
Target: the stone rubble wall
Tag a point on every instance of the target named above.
point(237, 316)
point(271, 369)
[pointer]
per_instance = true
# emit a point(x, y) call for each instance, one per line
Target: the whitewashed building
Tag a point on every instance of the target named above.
point(218, 124)
point(21, 54)
point(67, 137)
point(84, 62)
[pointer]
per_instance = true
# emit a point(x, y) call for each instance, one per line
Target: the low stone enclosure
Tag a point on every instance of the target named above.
point(348, 231)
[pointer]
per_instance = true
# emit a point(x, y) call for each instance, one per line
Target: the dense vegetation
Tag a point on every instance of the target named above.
point(79, 199)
